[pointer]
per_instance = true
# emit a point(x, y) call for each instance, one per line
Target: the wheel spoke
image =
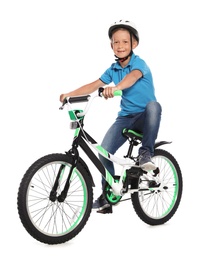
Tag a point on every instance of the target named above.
point(159, 195)
point(55, 218)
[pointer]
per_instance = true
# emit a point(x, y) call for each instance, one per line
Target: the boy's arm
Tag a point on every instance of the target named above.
point(126, 82)
point(129, 79)
point(84, 90)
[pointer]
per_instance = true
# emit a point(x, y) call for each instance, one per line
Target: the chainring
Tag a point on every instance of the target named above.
point(109, 195)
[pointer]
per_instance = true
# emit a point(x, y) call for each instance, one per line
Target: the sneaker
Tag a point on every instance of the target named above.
point(101, 203)
point(145, 162)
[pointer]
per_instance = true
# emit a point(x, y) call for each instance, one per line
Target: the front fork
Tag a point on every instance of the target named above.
point(53, 194)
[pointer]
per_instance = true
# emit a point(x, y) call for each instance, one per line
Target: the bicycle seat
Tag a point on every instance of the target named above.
point(129, 133)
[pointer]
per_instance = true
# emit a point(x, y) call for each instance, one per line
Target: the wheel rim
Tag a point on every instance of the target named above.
point(155, 203)
point(56, 218)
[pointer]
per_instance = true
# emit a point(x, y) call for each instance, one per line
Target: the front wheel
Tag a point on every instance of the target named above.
point(159, 194)
point(47, 218)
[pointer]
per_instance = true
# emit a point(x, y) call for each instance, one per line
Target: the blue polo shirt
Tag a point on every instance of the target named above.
point(135, 98)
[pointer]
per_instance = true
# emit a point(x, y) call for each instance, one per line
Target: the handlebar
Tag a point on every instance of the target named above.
point(86, 98)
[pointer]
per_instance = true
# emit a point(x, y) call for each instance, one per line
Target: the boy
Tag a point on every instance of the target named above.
point(139, 109)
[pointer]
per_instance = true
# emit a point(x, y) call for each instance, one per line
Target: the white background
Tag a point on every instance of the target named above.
point(50, 47)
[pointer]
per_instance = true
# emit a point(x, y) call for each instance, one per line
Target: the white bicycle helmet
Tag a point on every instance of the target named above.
point(124, 24)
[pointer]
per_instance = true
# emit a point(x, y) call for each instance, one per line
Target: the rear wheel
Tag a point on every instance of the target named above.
point(159, 196)
point(45, 217)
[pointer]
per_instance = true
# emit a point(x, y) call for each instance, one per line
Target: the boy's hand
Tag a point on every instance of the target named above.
point(62, 97)
point(109, 92)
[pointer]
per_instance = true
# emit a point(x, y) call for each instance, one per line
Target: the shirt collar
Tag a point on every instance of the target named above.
point(117, 64)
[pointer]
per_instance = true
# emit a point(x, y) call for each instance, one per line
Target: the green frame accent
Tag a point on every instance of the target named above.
point(77, 131)
point(72, 115)
point(102, 150)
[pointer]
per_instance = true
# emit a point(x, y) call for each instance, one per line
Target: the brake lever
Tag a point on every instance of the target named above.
point(100, 90)
point(63, 104)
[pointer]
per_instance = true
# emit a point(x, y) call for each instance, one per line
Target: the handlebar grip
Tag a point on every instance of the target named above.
point(79, 99)
point(118, 93)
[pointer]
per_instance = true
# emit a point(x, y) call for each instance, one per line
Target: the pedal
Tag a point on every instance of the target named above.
point(105, 210)
point(156, 171)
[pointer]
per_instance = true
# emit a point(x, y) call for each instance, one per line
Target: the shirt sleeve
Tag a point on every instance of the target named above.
point(139, 64)
point(106, 77)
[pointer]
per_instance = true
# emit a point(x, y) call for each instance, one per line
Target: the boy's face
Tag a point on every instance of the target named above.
point(121, 43)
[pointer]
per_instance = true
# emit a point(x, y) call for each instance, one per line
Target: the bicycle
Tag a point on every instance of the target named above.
point(55, 195)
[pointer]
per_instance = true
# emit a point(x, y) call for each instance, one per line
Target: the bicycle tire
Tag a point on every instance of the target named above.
point(158, 206)
point(54, 222)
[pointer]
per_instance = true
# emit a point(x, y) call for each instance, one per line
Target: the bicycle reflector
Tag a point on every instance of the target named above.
point(74, 125)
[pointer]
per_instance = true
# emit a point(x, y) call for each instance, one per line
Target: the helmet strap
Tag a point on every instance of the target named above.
point(123, 59)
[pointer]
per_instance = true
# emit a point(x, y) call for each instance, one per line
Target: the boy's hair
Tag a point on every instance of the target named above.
point(125, 29)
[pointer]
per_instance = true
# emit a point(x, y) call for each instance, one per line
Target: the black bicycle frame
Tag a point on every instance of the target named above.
point(80, 141)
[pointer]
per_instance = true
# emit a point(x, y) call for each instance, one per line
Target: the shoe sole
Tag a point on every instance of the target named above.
point(148, 167)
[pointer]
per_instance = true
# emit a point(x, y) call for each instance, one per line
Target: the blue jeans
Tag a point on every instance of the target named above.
point(147, 122)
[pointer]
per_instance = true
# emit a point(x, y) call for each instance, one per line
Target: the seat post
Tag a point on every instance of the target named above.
point(132, 143)
point(134, 139)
